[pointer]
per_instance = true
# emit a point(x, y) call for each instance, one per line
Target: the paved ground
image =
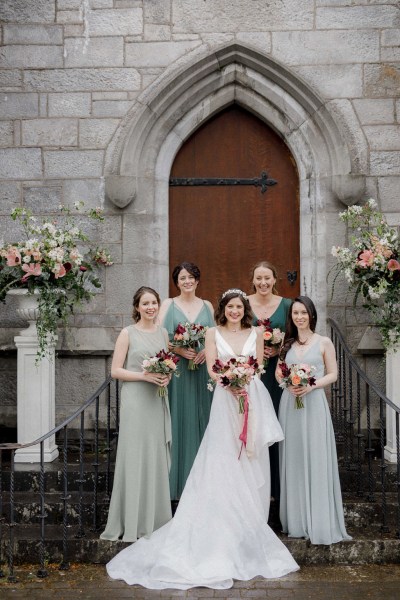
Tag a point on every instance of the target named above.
point(90, 582)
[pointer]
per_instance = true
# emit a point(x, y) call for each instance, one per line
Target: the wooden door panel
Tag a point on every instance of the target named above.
point(226, 229)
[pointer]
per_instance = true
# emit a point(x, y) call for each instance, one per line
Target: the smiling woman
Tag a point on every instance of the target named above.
point(140, 501)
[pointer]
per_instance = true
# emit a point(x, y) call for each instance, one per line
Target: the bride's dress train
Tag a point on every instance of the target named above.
point(219, 532)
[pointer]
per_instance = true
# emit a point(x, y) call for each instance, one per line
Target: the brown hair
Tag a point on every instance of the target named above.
point(136, 299)
point(219, 314)
point(291, 331)
point(189, 267)
point(265, 265)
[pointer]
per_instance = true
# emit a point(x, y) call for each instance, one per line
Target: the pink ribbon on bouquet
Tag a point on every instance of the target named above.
point(243, 435)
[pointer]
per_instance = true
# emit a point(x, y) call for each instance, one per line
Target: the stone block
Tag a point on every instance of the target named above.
point(382, 80)
point(6, 133)
point(390, 37)
point(334, 81)
point(236, 16)
point(20, 163)
point(385, 163)
point(74, 30)
point(32, 34)
point(73, 163)
point(258, 39)
point(69, 16)
point(156, 54)
point(101, 3)
point(347, 120)
point(383, 137)
point(356, 17)
point(110, 95)
point(157, 12)
point(318, 47)
point(58, 80)
point(110, 231)
point(42, 199)
point(86, 320)
point(111, 108)
point(69, 4)
point(50, 132)
point(96, 133)
point(69, 105)
point(18, 105)
point(94, 52)
point(43, 105)
point(123, 21)
point(389, 193)
point(10, 79)
point(128, 3)
point(77, 378)
point(377, 111)
point(157, 32)
point(90, 191)
point(10, 196)
point(390, 54)
point(32, 56)
point(27, 11)
point(12, 231)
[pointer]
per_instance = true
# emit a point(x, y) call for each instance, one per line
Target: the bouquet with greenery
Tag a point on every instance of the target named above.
point(372, 268)
point(55, 260)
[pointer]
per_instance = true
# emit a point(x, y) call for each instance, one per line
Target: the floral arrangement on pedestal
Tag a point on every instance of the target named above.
point(372, 267)
point(56, 262)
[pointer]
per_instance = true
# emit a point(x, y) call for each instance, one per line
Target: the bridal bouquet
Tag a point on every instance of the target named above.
point(189, 335)
point(163, 362)
point(235, 374)
point(272, 336)
point(297, 375)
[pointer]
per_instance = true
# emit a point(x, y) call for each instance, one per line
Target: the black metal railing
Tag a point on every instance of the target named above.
point(357, 404)
point(86, 483)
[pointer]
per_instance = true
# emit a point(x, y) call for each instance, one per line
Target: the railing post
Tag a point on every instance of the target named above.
point(369, 450)
point(80, 481)
point(64, 566)
point(96, 464)
point(11, 576)
point(42, 572)
point(1, 515)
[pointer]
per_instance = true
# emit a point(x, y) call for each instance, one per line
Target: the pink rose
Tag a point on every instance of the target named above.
point(59, 271)
point(393, 265)
point(13, 257)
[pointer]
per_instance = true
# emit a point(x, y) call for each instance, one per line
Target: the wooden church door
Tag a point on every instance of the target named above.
point(226, 227)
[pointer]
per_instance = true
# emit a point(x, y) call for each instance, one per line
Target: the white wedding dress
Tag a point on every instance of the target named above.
point(219, 531)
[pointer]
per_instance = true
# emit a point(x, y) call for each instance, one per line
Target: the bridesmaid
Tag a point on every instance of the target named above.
point(267, 304)
point(190, 400)
point(140, 501)
point(311, 499)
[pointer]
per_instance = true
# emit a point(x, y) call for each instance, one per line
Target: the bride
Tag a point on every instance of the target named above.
point(219, 531)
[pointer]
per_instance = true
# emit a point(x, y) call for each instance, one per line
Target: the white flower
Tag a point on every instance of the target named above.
point(373, 293)
point(210, 387)
point(26, 259)
point(348, 273)
point(372, 203)
point(335, 250)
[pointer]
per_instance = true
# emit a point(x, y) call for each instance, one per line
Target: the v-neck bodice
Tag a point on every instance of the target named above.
point(312, 356)
point(225, 350)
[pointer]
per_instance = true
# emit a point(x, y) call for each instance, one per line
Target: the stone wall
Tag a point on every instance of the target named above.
point(72, 72)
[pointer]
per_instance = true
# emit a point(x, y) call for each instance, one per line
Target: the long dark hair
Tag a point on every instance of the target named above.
point(226, 297)
point(136, 299)
point(265, 265)
point(189, 267)
point(291, 331)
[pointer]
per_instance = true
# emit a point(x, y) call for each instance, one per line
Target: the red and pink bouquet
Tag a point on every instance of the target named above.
point(234, 375)
point(272, 336)
point(189, 335)
point(297, 375)
point(163, 362)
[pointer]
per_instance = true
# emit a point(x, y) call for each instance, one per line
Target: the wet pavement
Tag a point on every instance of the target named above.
point(90, 582)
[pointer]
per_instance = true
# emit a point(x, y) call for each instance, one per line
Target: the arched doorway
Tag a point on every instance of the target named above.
point(225, 229)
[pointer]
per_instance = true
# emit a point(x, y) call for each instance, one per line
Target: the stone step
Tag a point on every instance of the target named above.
point(363, 549)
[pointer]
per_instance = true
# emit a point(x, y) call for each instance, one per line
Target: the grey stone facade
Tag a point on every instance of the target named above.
point(97, 96)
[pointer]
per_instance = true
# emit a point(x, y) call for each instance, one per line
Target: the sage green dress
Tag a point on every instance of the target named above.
point(277, 319)
point(140, 501)
point(190, 403)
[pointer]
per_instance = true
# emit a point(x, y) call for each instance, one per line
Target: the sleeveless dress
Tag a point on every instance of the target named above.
point(190, 404)
point(278, 319)
point(311, 500)
point(219, 531)
point(140, 501)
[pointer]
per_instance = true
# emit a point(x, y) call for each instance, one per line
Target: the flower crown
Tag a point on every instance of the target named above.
point(234, 291)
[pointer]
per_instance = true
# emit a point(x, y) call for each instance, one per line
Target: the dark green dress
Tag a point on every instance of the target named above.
point(190, 403)
point(277, 319)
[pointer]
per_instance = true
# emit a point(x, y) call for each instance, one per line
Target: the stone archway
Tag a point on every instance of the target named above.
point(139, 159)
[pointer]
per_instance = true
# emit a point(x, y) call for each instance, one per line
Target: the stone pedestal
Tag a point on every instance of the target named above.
point(393, 393)
point(35, 385)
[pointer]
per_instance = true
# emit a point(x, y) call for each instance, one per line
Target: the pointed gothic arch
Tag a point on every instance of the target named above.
point(140, 156)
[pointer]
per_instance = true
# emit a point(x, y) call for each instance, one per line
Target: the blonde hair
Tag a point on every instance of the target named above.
point(265, 265)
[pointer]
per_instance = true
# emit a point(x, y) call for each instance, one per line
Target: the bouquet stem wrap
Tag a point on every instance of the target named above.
point(244, 403)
